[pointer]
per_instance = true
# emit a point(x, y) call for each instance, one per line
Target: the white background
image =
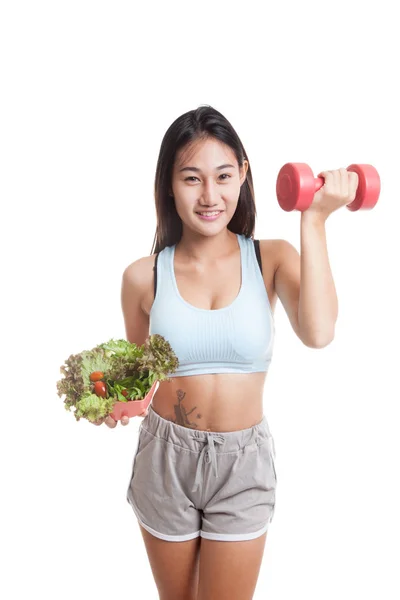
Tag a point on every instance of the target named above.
point(88, 90)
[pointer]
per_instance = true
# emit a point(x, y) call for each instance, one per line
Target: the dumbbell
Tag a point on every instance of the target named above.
point(296, 186)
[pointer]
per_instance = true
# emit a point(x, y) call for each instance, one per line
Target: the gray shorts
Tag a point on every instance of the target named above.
point(185, 483)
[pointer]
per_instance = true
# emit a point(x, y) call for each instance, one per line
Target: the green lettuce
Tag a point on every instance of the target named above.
point(125, 366)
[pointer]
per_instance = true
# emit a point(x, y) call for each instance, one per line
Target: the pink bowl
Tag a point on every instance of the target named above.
point(133, 408)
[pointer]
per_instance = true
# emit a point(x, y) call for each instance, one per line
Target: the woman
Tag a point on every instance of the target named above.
point(204, 472)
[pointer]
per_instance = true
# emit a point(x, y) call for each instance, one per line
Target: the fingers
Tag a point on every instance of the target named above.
point(327, 176)
point(353, 185)
point(110, 422)
point(347, 184)
point(341, 183)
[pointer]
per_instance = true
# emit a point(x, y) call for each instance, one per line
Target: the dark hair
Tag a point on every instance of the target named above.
point(202, 123)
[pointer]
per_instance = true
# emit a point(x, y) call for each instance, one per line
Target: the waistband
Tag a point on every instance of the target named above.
point(189, 438)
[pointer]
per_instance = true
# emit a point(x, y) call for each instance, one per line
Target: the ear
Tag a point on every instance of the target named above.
point(243, 172)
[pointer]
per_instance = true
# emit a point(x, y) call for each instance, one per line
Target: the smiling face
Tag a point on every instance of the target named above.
point(206, 177)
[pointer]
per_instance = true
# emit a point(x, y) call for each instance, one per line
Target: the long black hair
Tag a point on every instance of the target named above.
point(201, 123)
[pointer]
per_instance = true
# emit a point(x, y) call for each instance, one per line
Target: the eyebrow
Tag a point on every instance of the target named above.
point(196, 170)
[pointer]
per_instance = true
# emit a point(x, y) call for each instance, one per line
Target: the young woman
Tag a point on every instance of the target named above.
point(203, 480)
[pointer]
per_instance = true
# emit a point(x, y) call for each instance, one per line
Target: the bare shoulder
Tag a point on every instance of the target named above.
point(275, 251)
point(140, 271)
point(278, 250)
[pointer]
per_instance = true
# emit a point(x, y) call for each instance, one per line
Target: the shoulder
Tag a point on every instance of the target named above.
point(276, 251)
point(137, 268)
point(140, 271)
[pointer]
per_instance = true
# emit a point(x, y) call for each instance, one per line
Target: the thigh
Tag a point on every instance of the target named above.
point(229, 570)
point(175, 566)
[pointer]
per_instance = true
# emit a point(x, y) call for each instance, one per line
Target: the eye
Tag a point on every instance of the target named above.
point(193, 177)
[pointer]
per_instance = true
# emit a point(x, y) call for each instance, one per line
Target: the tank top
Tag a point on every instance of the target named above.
point(237, 338)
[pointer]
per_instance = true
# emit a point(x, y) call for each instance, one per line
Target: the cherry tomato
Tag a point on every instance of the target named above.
point(124, 393)
point(96, 376)
point(100, 389)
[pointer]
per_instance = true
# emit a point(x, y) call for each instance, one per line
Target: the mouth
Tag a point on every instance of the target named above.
point(212, 216)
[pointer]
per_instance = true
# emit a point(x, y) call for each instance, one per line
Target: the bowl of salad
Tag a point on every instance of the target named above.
point(116, 378)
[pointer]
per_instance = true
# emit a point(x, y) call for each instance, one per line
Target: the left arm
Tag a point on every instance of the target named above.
point(304, 283)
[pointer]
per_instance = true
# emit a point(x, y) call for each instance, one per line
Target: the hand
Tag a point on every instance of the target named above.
point(339, 189)
point(112, 423)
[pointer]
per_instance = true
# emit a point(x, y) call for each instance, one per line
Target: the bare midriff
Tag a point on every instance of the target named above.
point(213, 401)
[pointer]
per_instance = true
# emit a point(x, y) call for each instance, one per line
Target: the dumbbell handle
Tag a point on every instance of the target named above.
point(319, 182)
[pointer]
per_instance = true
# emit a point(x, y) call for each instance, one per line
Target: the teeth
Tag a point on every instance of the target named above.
point(210, 214)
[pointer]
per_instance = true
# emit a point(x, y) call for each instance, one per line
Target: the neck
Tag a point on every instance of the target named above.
point(206, 249)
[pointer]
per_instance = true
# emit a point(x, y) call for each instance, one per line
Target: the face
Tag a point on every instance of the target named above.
point(200, 184)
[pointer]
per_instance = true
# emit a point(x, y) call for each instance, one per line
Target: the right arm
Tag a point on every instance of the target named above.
point(136, 320)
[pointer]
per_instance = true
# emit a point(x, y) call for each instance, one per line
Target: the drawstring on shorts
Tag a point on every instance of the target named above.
point(208, 453)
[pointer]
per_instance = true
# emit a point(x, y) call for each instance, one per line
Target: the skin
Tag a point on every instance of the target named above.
point(200, 244)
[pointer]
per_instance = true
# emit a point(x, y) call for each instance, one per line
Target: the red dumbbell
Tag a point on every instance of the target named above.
point(296, 186)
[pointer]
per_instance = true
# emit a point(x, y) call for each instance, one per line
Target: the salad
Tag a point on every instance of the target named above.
point(115, 371)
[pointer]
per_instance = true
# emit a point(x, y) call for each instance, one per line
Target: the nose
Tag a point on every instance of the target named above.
point(210, 195)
